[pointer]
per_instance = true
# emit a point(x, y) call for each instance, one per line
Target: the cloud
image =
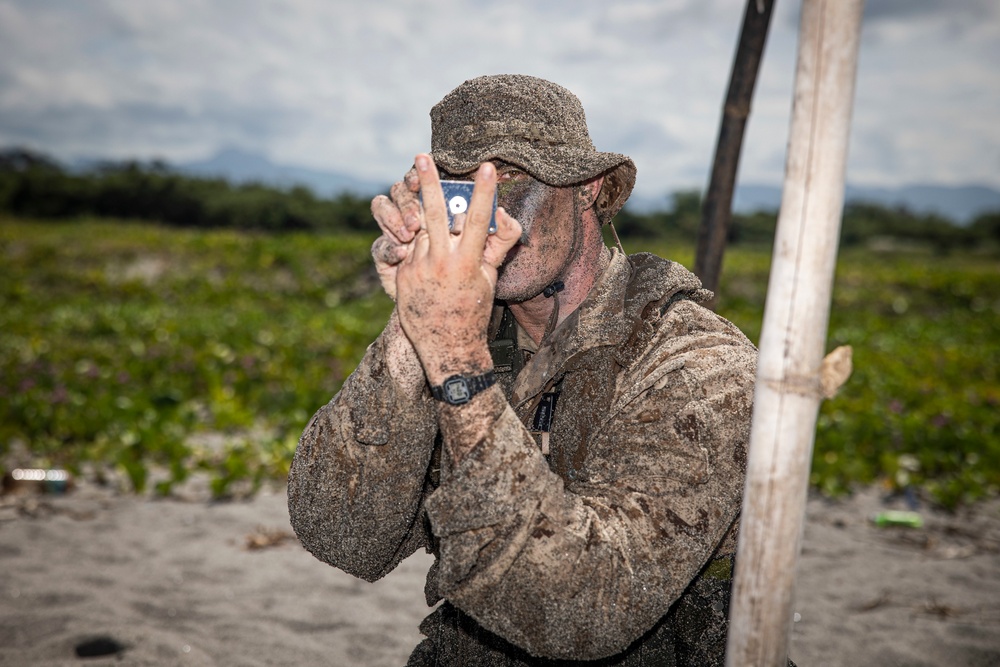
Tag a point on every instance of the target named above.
point(347, 86)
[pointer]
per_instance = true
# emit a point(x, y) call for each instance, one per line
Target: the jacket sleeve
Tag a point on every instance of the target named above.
point(356, 482)
point(580, 570)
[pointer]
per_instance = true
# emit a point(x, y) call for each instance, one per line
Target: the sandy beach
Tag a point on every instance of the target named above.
point(190, 582)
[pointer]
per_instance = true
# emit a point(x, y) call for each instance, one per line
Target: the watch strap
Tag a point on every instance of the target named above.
point(459, 389)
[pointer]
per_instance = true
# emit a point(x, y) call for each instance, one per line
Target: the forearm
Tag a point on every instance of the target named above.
point(401, 359)
point(357, 479)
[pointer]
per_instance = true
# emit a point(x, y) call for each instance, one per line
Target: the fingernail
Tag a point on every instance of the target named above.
point(423, 163)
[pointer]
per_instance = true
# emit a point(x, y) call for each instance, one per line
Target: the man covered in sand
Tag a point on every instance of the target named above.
point(561, 425)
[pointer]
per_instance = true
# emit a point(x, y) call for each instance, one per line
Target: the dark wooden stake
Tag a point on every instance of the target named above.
point(716, 213)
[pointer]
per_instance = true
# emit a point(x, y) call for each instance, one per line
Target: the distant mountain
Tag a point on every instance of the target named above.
point(239, 166)
point(958, 203)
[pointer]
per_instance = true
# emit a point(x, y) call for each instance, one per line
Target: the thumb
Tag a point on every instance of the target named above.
point(499, 244)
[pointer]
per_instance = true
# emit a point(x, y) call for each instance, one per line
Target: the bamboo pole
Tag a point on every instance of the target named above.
point(717, 209)
point(793, 335)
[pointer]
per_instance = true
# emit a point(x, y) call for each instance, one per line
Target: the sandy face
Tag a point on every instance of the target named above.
point(551, 239)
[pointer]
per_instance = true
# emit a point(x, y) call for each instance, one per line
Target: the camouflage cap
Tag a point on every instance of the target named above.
point(533, 124)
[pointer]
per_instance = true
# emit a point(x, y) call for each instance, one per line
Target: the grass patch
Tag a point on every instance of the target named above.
point(138, 348)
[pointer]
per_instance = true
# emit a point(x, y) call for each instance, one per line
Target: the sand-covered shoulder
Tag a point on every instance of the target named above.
point(193, 583)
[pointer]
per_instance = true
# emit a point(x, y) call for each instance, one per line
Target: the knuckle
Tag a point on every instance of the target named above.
point(381, 207)
point(382, 250)
point(412, 180)
point(399, 190)
point(404, 199)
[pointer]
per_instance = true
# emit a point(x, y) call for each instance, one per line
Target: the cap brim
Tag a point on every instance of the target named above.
point(559, 166)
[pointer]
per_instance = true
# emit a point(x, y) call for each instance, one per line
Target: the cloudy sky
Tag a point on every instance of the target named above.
point(346, 85)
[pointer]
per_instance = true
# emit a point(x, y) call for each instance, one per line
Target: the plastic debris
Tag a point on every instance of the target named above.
point(898, 518)
point(52, 480)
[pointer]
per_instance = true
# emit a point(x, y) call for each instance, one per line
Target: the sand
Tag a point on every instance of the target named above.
point(189, 582)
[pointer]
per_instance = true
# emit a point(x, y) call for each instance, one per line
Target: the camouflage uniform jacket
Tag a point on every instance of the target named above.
point(613, 548)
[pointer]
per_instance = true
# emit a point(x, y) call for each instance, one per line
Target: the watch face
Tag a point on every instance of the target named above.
point(456, 391)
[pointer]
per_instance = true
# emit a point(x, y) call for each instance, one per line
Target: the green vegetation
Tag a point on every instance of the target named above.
point(923, 406)
point(153, 352)
point(35, 186)
point(137, 346)
point(157, 352)
point(864, 225)
point(32, 185)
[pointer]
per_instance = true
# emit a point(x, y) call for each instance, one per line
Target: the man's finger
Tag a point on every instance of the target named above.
point(435, 213)
point(385, 251)
point(480, 209)
point(408, 203)
point(390, 219)
point(506, 237)
point(412, 180)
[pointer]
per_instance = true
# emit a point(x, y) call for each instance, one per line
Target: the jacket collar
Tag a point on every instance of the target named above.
point(607, 317)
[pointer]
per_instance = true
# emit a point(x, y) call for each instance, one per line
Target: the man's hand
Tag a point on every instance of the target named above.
point(399, 217)
point(445, 283)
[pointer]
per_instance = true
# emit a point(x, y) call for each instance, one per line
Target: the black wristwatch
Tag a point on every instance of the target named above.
point(459, 389)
